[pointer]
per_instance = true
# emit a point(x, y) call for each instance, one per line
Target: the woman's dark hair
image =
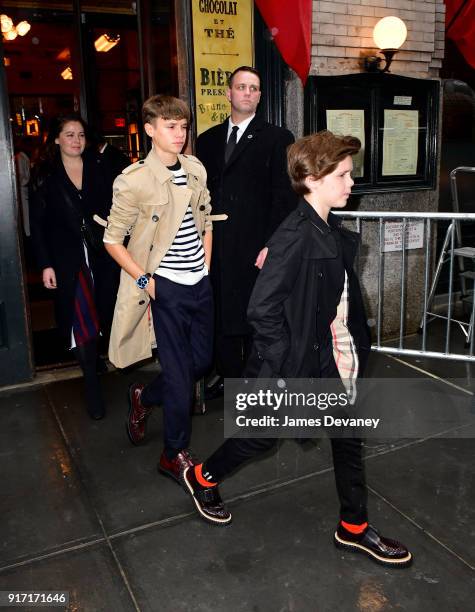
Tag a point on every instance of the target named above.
point(49, 152)
point(56, 127)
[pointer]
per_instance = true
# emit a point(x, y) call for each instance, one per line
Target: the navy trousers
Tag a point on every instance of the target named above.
point(183, 323)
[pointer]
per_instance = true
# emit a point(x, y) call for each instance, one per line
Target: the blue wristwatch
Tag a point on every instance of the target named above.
point(142, 281)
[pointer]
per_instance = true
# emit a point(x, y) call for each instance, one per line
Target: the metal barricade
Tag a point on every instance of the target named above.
point(381, 218)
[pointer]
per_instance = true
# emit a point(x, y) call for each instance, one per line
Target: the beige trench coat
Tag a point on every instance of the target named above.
point(150, 207)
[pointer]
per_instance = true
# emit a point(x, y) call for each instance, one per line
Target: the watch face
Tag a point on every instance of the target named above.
point(142, 281)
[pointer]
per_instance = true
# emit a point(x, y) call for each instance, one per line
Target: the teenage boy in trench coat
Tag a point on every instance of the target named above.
point(165, 293)
point(248, 182)
point(309, 321)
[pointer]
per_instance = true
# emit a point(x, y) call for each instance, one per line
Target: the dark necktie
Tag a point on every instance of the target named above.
point(231, 143)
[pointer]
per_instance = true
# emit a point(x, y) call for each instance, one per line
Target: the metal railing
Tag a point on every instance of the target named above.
point(381, 218)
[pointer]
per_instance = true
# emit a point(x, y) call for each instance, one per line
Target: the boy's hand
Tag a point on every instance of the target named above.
point(261, 258)
point(150, 288)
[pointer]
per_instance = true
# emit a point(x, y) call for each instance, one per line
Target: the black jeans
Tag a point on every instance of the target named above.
point(183, 324)
point(347, 458)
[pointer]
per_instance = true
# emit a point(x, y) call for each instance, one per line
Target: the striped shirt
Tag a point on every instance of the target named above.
point(184, 262)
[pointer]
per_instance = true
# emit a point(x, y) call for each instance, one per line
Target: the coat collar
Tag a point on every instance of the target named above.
point(306, 210)
point(162, 173)
point(190, 165)
point(327, 247)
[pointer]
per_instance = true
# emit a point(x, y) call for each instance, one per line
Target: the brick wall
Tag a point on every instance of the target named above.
point(342, 35)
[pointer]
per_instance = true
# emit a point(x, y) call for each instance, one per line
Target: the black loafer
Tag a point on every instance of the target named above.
point(207, 500)
point(378, 548)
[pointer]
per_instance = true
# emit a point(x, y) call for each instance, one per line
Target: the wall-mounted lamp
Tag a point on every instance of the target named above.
point(389, 34)
point(106, 42)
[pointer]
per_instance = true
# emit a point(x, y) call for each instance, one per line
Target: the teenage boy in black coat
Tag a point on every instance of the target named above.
point(309, 322)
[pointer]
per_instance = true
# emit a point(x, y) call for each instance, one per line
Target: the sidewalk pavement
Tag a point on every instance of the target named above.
point(85, 512)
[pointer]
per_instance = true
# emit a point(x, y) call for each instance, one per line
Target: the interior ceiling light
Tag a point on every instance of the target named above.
point(10, 35)
point(67, 74)
point(64, 55)
point(9, 31)
point(106, 42)
point(6, 23)
point(23, 28)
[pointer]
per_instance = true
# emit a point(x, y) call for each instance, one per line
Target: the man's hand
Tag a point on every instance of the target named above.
point(261, 258)
point(150, 288)
point(49, 278)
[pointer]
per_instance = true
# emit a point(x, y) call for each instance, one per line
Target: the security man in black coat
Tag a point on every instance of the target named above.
point(245, 159)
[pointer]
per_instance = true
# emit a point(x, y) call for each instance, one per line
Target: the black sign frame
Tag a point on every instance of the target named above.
point(374, 93)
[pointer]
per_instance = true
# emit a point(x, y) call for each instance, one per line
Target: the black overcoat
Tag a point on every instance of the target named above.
point(57, 238)
point(254, 190)
point(286, 298)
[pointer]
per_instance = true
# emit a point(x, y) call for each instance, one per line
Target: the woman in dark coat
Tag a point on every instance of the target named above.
point(69, 187)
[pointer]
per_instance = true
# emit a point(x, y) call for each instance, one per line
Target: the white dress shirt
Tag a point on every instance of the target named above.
point(242, 127)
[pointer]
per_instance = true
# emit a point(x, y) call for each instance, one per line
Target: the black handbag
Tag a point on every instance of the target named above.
point(92, 232)
point(93, 235)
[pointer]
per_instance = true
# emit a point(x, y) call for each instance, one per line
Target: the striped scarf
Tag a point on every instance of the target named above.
point(85, 320)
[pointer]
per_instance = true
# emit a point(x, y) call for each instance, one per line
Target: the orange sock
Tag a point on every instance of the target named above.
point(201, 479)
point(356, 529)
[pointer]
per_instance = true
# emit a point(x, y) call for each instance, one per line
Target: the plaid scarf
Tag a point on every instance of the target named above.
point(344, 350)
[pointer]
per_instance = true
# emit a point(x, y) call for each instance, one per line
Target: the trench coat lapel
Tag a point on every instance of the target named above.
point(161, 172)
point(323, 245)
point(246, 140)
point(192, 183)
point(351, 240)
point(181, 195)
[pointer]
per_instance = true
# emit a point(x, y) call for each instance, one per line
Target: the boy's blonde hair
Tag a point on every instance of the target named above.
point(166, 107)
point(317, 155)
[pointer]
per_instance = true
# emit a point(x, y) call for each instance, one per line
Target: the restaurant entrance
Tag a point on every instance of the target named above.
point(62, 56)
point(101, 60)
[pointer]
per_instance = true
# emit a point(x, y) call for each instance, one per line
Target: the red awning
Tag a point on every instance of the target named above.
point(460, 27)
point(290, 23)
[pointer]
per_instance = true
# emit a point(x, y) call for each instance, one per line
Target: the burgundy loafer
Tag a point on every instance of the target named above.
point(136, 424)
point(176, 467)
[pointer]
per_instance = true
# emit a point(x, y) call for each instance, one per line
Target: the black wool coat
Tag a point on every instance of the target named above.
point(254, 190)
point(287, 296)
point(57, 238)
